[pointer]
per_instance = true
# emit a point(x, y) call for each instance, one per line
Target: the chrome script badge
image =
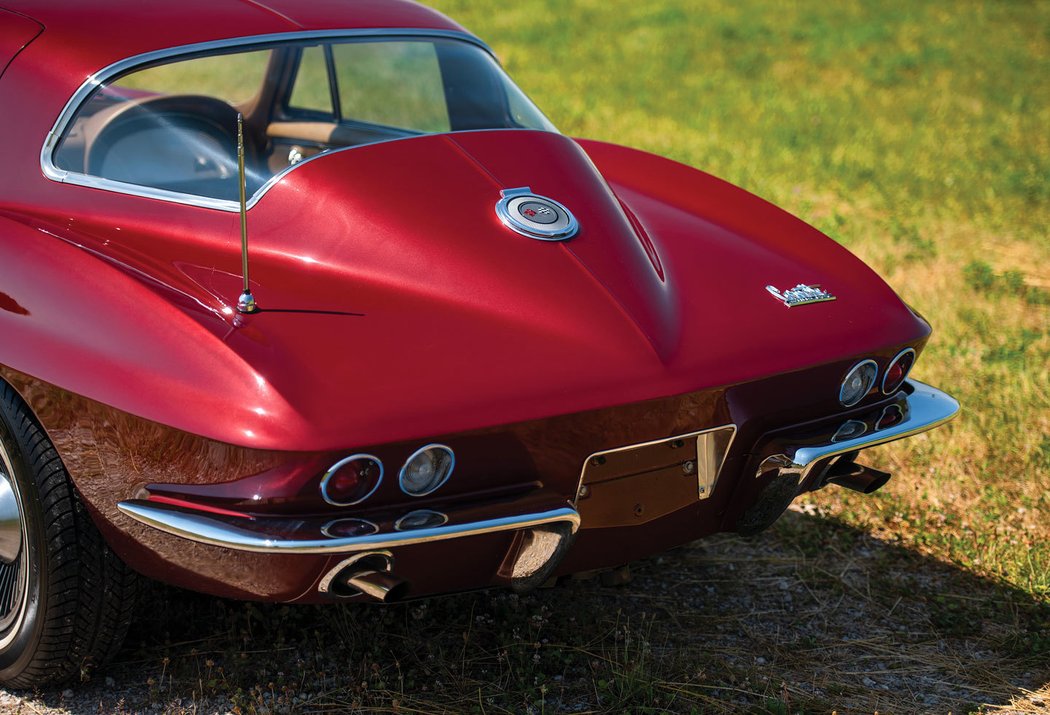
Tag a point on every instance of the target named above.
point(801, 294)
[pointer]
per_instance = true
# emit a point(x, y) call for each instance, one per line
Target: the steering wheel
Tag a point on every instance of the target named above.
point(185, 143)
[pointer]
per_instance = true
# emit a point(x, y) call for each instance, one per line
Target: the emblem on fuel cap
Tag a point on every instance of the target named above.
point(534, 216)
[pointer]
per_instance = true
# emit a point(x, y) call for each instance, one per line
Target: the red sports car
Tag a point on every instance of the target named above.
point(306, 301)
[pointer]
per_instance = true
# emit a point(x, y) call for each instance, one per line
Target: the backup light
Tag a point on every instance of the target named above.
point(899, 368)
point(858, 383)
point(426, 470)
point(352, 480)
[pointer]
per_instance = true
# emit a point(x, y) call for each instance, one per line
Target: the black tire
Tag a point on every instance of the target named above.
point(65, 598)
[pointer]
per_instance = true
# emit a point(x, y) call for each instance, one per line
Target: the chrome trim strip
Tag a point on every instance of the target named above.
point(424, 448)
point(893, 362)
point(207, 529)
point(342, 463)
point(47, 165)
point(710, 457)
point(928, 408)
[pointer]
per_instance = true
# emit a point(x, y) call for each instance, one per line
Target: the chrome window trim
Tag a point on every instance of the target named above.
point(896, 358)
point(424, 448)
point(62, 176)
point(237, 534)
point(342, 463)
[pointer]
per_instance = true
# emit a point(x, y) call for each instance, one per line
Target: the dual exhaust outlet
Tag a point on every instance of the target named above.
point(536, 551)
point(530, 561)
point(368, 574)
point(846, 473)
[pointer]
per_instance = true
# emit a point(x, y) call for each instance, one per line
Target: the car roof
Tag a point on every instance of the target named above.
point(83, 37)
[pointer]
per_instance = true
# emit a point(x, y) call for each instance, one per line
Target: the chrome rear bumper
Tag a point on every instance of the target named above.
point(808, 457)
point(298, 536)
point(796, 455)
point(921, 408)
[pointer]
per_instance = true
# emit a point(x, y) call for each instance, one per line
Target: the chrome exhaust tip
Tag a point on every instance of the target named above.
point(856, 477)
point(367, 574)
point(377, 585)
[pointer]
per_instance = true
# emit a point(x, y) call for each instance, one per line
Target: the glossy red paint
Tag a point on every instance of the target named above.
point(16, 31)
point(398, 248)
point(397, 309)
point(125, 28)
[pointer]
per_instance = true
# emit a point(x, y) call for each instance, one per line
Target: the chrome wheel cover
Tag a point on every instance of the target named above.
point(14, 562)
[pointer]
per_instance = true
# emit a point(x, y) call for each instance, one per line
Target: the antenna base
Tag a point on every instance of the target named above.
point(246, 303)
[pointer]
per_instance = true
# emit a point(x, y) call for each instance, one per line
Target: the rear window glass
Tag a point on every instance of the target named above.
point(170, 130)
point(235, 79)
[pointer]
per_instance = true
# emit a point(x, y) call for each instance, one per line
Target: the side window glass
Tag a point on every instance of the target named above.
point(310, 91)
point(396, 84)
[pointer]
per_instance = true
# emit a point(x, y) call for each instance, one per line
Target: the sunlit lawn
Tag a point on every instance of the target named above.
point(915, 133)
point(918, 135)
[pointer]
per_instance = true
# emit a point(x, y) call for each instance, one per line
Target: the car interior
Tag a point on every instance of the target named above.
point(311, 99)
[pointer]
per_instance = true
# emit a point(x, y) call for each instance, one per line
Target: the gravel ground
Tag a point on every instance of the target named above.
point(810, 617)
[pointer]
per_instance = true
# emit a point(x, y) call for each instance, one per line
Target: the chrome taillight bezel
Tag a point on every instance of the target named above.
point(434, 446)
point(905, 353)
point(334, 469)
point(850, 374)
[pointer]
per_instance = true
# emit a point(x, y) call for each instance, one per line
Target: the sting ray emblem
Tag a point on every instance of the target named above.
point(801, 294)
point(535, 216)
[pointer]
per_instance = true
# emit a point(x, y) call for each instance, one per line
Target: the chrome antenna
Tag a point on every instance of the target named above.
point(246, 303)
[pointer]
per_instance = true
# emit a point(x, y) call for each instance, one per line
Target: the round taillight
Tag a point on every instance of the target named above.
point(352, 480)
point(899, 368)
point(858, 383)
point(426, 470)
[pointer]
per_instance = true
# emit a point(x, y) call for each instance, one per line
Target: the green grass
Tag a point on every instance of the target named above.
point(916, 134)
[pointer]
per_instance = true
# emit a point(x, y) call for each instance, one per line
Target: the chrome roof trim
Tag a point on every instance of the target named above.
point(238, 534)
point(47, 165)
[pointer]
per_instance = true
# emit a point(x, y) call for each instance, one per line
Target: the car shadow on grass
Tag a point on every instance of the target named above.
point(812, 616)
